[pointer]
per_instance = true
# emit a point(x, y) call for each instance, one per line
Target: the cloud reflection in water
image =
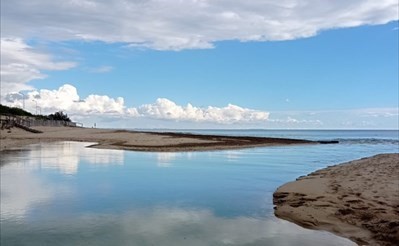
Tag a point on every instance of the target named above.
point(173, 226)
point(34, 186)
point(21, 188)
point(64, 157)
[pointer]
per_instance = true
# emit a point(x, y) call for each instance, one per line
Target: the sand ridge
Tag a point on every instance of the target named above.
point(358, 200)
point(136, 140)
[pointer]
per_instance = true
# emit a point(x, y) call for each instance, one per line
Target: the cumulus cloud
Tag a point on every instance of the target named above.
point(67, 99)
point(166, 113)
point(20, 63)
point(164, 25)
point(166, 109)
point(192, 24)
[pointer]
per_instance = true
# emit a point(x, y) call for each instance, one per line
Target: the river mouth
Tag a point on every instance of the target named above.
point(66, 194)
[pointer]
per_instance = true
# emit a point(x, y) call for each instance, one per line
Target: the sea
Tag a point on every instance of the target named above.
point(65, 193)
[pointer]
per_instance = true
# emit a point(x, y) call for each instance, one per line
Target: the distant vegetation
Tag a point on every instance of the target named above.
point(59, 116)
point(13, 111)
point(20, 112)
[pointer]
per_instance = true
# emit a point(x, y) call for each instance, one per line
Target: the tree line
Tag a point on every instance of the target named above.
point(20, 112)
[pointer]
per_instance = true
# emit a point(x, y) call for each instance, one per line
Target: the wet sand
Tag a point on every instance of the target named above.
point(358, 200)
point(135, 140)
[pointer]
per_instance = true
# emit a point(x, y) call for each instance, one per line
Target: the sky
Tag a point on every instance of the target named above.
point(258, 64)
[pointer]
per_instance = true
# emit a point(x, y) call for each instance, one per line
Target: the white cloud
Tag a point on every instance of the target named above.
point(67, 99)
point(20, 63)
point(191, 24)
point(100, 69)
point(164, 25)
point(164, 113)
point(379, 112)
point(366, 118)
point(287, 121)
point(166, 109)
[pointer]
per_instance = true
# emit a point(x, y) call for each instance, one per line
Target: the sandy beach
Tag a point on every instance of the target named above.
point(135, 140)
point(358, 200)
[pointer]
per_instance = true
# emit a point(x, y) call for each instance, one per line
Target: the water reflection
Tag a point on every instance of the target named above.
point(66, 194)
point(20, 191)
point(63, 156)
point(165, 159)
point(168, 226)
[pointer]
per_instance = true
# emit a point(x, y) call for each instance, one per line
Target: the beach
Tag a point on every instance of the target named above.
point(137, 140)
point(358, 200)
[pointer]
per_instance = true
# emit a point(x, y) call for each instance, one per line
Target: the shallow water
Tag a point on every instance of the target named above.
point(66, 194)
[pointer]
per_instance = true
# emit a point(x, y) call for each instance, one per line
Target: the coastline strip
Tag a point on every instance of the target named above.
point(358, 200)
point(139, 140)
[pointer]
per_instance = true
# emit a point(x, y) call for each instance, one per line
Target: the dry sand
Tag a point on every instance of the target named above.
point(133, 140)
point(358, 200)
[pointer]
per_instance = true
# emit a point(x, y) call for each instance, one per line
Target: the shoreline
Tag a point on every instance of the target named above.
point(138, 140)
point(358, 200)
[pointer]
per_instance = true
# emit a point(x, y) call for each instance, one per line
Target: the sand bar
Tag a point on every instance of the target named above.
point(358, 200)
point(135, 140)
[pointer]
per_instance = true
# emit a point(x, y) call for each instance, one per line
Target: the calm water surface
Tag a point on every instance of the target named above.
point(66, 194)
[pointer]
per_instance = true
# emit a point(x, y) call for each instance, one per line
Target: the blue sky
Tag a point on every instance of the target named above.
point(357, 66)
point(329, 75)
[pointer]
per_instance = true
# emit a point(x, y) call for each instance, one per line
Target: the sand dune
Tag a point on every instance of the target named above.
point(358, 200)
